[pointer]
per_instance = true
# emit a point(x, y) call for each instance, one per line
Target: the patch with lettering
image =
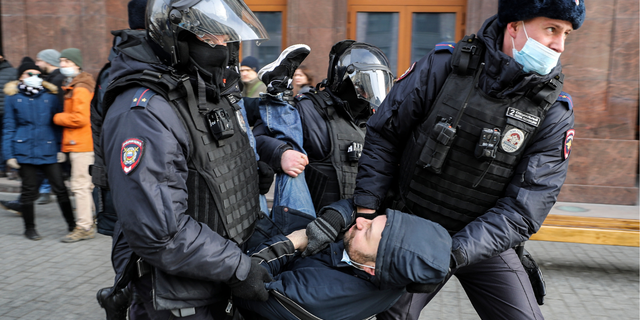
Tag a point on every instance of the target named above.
point(512, 140)
point(527, 118)
point(568, 141)
point(130, 154)
point(406, 73)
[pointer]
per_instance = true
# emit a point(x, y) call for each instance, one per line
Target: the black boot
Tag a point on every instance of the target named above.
point(115, 304)
point(67, 213)
point(29, 218)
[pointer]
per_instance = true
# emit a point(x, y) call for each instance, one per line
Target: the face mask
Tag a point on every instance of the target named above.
point(32, 81)
point(68, 71)
point(347, 259)
point(534, 56)
point(212, 60)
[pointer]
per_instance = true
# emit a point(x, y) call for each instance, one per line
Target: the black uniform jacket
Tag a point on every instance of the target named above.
point(538, 177)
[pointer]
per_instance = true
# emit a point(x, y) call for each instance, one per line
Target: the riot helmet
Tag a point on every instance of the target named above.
point(211, 21)
point(361, 68)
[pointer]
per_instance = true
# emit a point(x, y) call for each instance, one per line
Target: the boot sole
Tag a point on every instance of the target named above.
point(271, 66)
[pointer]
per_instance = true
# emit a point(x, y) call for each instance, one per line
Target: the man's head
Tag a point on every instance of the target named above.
point(70, 62)
point(28, 68)
point(535, 30)
point(48, 60)
point(249, 68)
point(359, 73)
point(362, 240)
point(179, 27)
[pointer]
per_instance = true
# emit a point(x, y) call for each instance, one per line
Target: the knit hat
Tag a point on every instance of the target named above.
point(136, 13)
point(250, 62)
point(50, 56)
point(72, 54)
point(27, 64)
point(572, 11)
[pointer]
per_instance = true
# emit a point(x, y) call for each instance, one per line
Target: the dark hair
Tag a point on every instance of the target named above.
point(307, 72)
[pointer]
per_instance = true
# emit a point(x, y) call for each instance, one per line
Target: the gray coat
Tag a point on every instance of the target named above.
point(7, 73)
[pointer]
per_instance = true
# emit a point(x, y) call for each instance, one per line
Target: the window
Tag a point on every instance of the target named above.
point(407, 30)
point(272, 15)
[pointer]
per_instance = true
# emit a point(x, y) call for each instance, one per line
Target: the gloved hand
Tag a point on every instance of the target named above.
point(265, 177)
point(252, 288)
point(323, 230)
point(62, 157)
point(13, 163)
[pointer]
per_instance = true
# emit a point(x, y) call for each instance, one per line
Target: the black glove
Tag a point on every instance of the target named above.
point(535, 276)
point(323, 230)
point(265, 176)
point(252, 288)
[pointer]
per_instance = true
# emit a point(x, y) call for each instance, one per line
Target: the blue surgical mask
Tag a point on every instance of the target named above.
point(347, 259)
point(534, 56)
point(33, 81)
point(68, 71)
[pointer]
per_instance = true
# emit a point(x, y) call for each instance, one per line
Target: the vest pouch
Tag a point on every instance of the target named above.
point(220, 124)
point(437, 147)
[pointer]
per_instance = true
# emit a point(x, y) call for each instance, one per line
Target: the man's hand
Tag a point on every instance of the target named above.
point(13, 163)
point(62, 157)
point(265, 177)
point(252, 288)
point(299, 239)
point(323, 231)
point(293, 162)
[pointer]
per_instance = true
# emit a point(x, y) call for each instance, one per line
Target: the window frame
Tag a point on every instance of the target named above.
point(271, 6)
point(406, 8)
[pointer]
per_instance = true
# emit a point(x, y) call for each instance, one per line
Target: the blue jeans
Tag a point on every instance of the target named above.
point(282, 121)
point(45, 187)
point(264, 207)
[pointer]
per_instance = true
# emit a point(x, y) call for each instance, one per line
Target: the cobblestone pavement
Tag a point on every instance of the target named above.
point(48, 279)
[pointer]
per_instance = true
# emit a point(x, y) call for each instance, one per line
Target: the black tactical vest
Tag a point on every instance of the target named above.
point(222, 184)
point(463, 156)
point(334, 177)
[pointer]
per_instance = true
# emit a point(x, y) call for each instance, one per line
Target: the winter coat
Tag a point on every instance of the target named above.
point(29, 134)
point(76, 117)
point(253, 88)
point(537, 178)
point(7, 74)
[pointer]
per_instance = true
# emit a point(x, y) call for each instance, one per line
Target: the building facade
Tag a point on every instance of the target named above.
point(600, 61)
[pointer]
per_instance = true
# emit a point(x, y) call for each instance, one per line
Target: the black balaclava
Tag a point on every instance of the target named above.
point(210, 63)
point(355, 106)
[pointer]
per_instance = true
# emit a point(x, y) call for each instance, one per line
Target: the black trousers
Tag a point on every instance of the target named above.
point(498, 288)
point(30, 183)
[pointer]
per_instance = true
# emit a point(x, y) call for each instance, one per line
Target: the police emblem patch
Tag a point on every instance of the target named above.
point(512, 140)
point(130, 154)
point(243, 125)
point(406, 73)
point(568, 141)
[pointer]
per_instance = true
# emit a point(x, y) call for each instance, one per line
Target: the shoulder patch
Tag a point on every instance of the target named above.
point(141, 97)
point(568, 141)
point(565, 97)
point(406, 73)
point(131, 154)
point(445, 46)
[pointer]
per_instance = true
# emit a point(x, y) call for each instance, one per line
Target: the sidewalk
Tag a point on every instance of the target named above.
point(49, 279)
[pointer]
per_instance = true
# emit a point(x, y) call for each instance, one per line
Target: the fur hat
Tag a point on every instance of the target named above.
point(27, 64)
point(72, 54)
point(136, 13)
point(50, 56)
point(572, 11)
point(250, 62)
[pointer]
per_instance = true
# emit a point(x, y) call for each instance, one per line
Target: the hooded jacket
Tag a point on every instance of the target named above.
point(76, 117)
point(329, 288)
point(29, 134)
point(537, 178)
point(7, 74)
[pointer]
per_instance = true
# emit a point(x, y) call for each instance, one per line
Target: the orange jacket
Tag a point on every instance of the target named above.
point(76, 117)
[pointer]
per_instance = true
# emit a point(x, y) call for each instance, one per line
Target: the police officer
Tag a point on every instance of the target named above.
point(477, 138)
point(179, 164)
point(332, 121)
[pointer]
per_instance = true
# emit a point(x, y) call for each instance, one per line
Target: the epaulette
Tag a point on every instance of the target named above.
point(300, 96)
point(565, 97)
point(447, 45)
point(142, 97)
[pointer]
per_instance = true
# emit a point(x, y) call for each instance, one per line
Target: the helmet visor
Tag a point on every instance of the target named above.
point(372, 84)
point(222, 21)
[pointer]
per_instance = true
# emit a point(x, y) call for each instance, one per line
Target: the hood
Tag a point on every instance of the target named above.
point(83, 80)
point(502, 76)
point(11, 88)
point(133, 55)
point(412, 250)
